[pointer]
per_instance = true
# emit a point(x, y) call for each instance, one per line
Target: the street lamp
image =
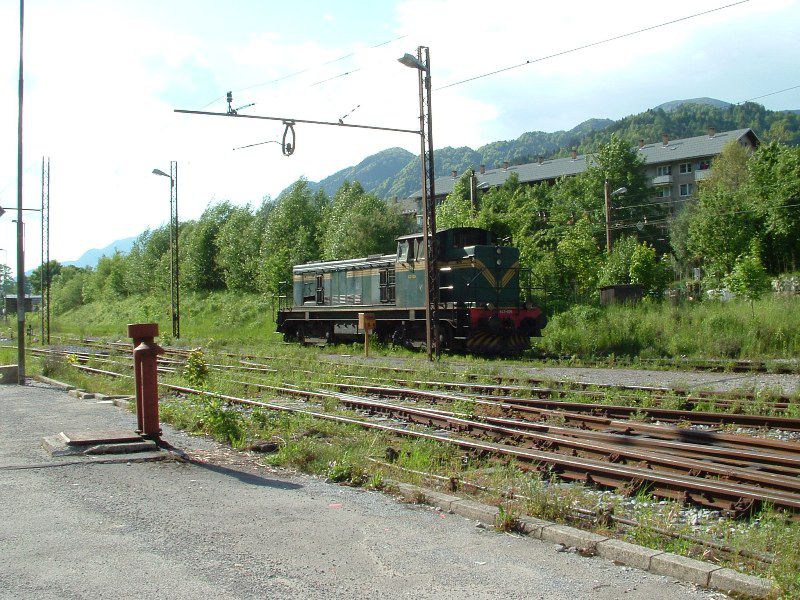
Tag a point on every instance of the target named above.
point(175, 299)
point(608, 195)
point(422, 63)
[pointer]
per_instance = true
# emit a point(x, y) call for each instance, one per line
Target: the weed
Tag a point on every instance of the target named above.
point(506, 519)
point(196, 369)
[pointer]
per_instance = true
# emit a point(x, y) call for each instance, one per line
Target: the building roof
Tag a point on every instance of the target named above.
point(656, 153)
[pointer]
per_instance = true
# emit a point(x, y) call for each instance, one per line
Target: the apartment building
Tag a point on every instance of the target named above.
point(673, 167)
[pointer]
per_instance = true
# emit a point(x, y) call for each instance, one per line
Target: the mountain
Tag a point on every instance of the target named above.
point(395, 172)
point(91, 257)
point(370, 172)
point(673, 104)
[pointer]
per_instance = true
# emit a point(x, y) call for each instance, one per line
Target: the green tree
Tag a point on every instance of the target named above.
point(648, 271)
point(720, 224)
point(774, 187)
point(580, 258)
point(239, 243)
point(292, 234)
point(202, 269)
point(37, 275)
point(360, 224)
point(749, 279)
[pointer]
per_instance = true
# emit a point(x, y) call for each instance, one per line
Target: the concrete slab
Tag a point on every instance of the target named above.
point(627, 554)
point(742, 586)
point(572, 537)
point(108, 436)
point(8, 373)
point(681, 567)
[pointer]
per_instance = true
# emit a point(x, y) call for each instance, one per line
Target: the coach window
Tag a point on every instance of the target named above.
point(320, 290)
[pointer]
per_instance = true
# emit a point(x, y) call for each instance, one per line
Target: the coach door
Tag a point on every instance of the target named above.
point(320, 289)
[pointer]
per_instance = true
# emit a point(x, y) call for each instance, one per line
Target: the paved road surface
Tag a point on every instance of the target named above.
point(232, 530)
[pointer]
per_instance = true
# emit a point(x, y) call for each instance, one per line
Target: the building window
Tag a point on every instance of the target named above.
point(704, 165)
point(663, 191)
point(686, 168)
point(686, 189)
point(665, 170)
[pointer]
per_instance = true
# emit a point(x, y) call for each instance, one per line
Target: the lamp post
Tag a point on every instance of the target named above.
point(174, 287)
point(3, 282)
point(422, 63)
point(608, 195)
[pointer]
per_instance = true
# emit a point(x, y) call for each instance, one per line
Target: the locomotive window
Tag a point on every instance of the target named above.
point(405, 250)
point(469, 237)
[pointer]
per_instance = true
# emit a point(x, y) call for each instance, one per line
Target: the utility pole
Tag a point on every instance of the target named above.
point(173, 244)
point(432, 296)
point(44, 305)
point(20, 225)
point(607, 191)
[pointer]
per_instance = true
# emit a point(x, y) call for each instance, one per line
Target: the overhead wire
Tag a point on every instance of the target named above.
point(591, 45)
point(307, 69)
point(769, 94)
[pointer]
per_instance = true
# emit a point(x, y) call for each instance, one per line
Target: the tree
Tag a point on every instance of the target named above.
point(292, 234)
point(749, 278)
point(37, 275)
point(720, 225)
point(581, 258)
point(238, 243)
point(648, 271)
point(456, 209)
point(203, 271)
point(774, 185)
point(360, 224)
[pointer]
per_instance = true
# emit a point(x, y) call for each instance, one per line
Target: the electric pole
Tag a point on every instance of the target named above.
point(20, 225)
point(607, 193)
point(44, 305)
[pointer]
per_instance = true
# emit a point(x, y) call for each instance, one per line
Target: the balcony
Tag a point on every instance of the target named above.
point(662, 180)
point(701, 175)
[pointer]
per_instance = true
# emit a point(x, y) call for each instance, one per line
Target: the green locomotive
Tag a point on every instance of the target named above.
point(479, 286)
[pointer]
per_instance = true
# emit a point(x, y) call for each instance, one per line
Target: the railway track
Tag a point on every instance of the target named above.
point(548, 403)
point(724, 471)
point(505, 384)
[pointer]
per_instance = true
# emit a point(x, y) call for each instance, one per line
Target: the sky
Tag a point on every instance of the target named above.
point(103, 77)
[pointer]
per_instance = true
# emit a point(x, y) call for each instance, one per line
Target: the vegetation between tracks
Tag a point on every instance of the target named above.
point(354, 456)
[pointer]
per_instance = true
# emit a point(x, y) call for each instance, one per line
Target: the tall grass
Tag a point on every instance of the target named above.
point(660, 330)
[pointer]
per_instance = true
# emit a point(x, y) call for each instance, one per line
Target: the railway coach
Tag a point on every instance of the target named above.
point(479, 286)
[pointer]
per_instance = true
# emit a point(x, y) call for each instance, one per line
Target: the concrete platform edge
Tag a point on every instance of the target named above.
point(701, 573)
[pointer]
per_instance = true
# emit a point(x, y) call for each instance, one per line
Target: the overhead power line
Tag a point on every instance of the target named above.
point(307, 69)
point(794, 87)
point(590, 45)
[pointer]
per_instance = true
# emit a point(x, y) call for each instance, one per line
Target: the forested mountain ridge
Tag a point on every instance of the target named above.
point(395, 172)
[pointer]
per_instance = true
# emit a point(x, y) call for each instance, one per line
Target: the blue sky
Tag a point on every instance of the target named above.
point(103, 77)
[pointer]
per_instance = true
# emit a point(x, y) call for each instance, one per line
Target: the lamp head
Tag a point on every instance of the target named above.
point(160, 172)
point(411, 61)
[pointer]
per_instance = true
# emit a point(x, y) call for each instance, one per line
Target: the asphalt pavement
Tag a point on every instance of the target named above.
point(227, 527)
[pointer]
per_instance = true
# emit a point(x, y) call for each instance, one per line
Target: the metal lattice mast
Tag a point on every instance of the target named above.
point(44, 307)
point(429, 202)
point(175, 297)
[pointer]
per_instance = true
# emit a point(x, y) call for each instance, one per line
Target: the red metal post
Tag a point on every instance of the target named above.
point(145, 360)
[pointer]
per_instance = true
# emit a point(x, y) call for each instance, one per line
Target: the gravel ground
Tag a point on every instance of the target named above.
point(694, 380)
point(229, 528)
